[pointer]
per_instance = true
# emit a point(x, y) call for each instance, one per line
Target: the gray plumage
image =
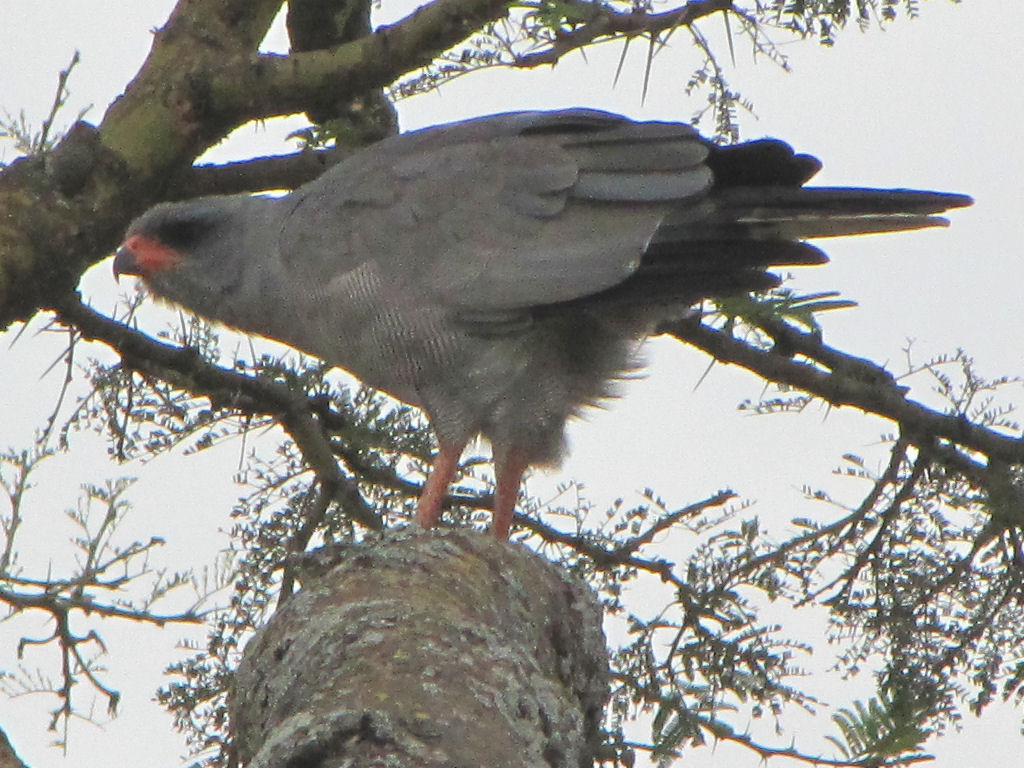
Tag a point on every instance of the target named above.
point(500, 272)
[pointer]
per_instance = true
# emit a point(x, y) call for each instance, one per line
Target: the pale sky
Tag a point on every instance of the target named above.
point(933, 104)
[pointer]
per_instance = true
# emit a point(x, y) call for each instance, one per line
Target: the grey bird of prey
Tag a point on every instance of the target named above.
point(499, 273)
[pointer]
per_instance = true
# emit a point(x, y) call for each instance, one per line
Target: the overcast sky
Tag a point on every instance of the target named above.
point(935, 103)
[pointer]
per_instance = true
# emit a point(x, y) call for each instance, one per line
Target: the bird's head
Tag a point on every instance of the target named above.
point(204, 254)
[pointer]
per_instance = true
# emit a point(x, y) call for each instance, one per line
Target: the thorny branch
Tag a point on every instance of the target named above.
point(606, 22)
point(842, 379)
point(724, 732)
point(838, 378)
point(227, 389)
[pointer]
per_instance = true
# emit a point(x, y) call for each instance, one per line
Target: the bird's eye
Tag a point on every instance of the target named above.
point(183, 233)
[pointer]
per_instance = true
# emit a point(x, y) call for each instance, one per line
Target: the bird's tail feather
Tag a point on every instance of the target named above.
point(788, 214)
point(724, 243)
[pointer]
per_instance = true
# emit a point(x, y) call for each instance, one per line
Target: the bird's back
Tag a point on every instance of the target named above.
point(500, 272)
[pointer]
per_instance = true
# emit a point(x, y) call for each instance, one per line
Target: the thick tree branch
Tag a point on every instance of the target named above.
point(64, 210)
point(170, 112)
point(318, 24)
point(256, 175)
point(286, 84)
point(372, 661)
point(58, 213)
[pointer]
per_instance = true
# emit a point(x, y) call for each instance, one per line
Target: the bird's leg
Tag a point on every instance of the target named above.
point(509, 474)
point(428, 511)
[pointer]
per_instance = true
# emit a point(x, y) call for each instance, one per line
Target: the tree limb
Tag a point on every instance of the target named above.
point(226, 389)
point(64, 210)
point(256, 175)
point(607, 22)
point(58, 213)
point(842, 379)
point(278, 85)
point(317, 24)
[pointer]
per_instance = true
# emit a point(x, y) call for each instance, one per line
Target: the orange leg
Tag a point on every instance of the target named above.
point(509, 472)
point(429, 509)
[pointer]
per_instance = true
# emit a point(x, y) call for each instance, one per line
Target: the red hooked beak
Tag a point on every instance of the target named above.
point(144, 256)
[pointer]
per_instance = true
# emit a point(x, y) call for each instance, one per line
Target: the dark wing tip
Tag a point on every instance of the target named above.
point(955, 200)
point(765, 162)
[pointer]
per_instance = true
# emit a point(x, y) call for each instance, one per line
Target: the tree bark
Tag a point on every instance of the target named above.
point(412, 649)
point(8, 757)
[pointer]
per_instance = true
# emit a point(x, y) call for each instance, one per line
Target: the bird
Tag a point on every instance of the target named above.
point(501, 272)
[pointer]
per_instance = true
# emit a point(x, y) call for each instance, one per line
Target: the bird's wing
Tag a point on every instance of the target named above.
point(495, 214)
